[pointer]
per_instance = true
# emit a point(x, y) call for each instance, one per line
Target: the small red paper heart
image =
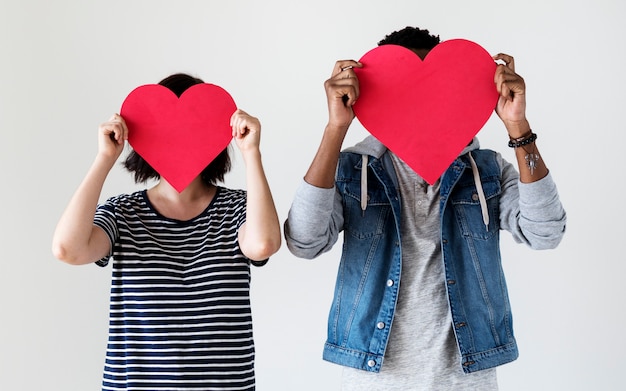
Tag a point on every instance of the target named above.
point(178, 137)
point(427, 111)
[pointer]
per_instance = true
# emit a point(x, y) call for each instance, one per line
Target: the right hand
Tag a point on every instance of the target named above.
point(342, 91)
point(112, 136)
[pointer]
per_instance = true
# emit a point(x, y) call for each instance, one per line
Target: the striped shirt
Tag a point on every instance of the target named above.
point(180, 316)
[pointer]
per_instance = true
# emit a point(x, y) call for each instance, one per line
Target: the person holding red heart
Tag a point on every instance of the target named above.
point(421, 301)
point(180, 314)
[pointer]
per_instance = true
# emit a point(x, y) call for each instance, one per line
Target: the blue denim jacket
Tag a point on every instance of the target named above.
point(368, 279)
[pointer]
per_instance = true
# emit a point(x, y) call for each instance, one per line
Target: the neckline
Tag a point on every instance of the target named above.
point(144, 194)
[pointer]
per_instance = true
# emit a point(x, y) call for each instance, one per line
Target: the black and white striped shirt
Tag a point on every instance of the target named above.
point(180, 314)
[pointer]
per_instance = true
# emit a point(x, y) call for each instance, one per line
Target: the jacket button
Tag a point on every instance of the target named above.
point(475, 197)
point(371, 363)
point(459, 325)
point(380, 325)
point(451, 282)
point(389, 282)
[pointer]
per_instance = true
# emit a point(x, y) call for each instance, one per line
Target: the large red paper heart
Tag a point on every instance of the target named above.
point(178, 137)
point(427, 111)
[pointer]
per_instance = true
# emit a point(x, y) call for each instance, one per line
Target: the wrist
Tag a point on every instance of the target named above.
point(105, 160)
point(251, 154)
point(526, 139)
point(340, 129)
point(517, 129)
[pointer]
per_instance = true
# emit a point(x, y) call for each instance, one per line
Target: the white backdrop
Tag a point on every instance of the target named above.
point(67, 65)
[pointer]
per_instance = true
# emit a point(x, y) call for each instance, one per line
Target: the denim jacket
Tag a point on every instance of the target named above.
point(368, 279)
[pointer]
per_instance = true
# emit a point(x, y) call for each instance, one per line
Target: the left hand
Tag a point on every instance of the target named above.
point(511, 107)
point(246, 130)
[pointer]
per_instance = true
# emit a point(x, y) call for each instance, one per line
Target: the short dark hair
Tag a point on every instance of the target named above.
point(411, 38)
point(213, 173)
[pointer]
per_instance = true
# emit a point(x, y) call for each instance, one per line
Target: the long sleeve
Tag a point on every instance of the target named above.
point(314, 221)
point(532, 212)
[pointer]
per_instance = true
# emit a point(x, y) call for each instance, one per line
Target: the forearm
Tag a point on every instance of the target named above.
point(321, 173)
point(314, 222)
point(72, 240)
point(531, 212)
point(531, 166)
point(541, 220)
point(260, 236)
point(530, 163)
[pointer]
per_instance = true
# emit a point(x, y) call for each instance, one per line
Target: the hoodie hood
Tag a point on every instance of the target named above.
point(370, 146)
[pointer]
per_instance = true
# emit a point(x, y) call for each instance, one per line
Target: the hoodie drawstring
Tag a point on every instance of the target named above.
point(477, 182)
point(364, 159)
point(481, 193)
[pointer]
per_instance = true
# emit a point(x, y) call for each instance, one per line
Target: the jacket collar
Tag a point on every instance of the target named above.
point(372, 147)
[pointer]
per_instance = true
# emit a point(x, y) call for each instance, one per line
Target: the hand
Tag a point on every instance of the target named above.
point(342, 91)
point(511, 107)
point(112, 136)
point(246, 131)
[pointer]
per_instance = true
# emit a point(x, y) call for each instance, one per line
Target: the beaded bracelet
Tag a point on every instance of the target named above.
point(520, 142)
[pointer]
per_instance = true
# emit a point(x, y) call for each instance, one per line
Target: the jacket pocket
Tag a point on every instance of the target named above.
point(364, 224)
point(468, 210)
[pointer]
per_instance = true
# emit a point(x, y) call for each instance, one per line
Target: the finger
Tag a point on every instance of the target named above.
point(345, 65)
point(498, 76)
point(346, 72)
point(234, 117)
point(107, 127)
point(505, 91)
point(249, 125)
point(348, 89)
point(117, 129)
point(508, 82)
point(506, 71)
point(345, 78)
point(122, 126)
point(509, 61)
point(349, 95)
point(239, 126)
point(504, 74)
point(350, 98)
point(242, 127)
point(117, 133)
point(236, 125)
point(344, 89)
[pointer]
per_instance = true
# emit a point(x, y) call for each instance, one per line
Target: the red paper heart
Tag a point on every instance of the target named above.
point(427, 111)
point(178, 137)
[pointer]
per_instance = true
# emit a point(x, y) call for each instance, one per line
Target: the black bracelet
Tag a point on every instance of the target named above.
point(516, 143)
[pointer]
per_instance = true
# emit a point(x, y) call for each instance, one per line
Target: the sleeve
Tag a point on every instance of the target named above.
point(314, 221)
point(241, 219)
point(105, 220)
point(241, 207)
point(532, 212)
